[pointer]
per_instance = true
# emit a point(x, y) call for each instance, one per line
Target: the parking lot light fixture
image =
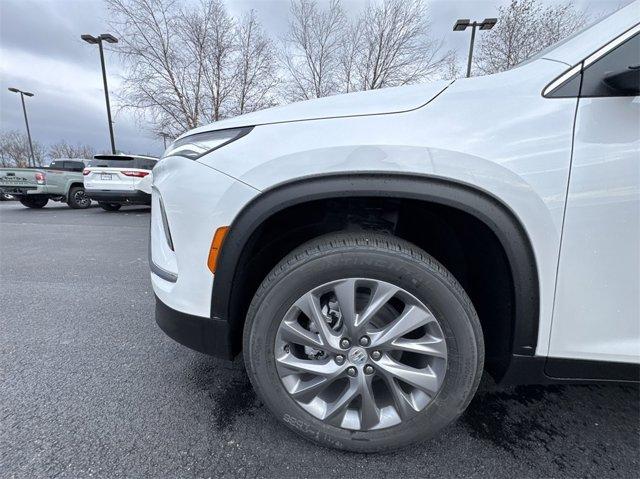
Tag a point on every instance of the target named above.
point(89, 38)
point(104, 37)
point(488, 23)
point(32, 159)
point(107, 37)
point(463, 23)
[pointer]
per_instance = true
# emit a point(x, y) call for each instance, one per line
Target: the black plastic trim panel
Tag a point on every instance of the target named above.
point(136, 197)
point(206, 335)
point(541, 370)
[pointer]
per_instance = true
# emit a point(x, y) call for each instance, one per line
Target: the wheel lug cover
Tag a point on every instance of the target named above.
point(368, 369)
point(345, 343)
point(376, 355)
point(339, 359)
point(365, 341)
point(351, 371)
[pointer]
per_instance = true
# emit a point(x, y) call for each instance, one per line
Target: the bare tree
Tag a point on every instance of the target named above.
point(191, 63)
point(218, 62)
point(451, 67)
point(14, 150)
point(524, 28)
point(256, 76)
point(313, 48)
point(188, 64)
point(387, 45)
point(395, 48)
point(164, 70)
point(62, 149)
point(350, 56)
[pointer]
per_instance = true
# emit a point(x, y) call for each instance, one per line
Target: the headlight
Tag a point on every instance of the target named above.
point(194, 146)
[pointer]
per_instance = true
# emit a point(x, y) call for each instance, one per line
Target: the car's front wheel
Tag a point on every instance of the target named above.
point(363, 342)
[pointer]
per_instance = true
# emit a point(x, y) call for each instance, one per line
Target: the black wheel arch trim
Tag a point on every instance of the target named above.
point(477, 202)
point(200, 334)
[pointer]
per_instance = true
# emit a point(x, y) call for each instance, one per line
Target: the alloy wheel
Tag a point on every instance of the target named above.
point(360, 354)
point(81, 199)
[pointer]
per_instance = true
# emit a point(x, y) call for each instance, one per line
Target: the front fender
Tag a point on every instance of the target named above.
point(496, 133)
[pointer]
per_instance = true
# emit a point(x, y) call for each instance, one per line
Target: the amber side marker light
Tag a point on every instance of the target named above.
point(216, 244)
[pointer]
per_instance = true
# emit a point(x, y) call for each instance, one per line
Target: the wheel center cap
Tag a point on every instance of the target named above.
point(357, 356)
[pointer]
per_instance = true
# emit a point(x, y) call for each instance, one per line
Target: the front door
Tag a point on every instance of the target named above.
point(597, 304)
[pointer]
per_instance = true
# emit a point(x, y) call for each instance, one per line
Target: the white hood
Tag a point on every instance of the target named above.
point(371, 102)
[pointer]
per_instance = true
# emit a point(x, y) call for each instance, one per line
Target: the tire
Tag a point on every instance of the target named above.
point(78, 200)
point(35, 202)
point(424, 285)
point(109, 206)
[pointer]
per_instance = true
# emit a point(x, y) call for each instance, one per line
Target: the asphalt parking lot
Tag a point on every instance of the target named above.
point(89, 386)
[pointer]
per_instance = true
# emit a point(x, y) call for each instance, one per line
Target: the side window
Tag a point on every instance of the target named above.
point(615, 74)
point(55, 165)
point(74, 165)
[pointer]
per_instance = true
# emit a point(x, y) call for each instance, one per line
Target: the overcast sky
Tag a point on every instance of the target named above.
point(41, 52)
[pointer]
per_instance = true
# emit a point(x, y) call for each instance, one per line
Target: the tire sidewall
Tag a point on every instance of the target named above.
point(430, 285)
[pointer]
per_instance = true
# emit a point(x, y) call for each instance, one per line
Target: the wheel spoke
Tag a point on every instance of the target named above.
point(346, 294)
point(429, 346)
point(403, 404)
point(305, 391)
point(412, 318)
point(382, 294)
point(310, 306)
point(293, 332)
point(369, 412)
point(423, 379)
point(341, 403)
point(326, 368)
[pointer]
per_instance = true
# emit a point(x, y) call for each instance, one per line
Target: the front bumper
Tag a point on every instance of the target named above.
point(206, 335)
point(133, 197)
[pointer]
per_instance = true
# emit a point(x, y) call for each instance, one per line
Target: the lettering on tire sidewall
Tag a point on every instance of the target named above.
point(308, 430)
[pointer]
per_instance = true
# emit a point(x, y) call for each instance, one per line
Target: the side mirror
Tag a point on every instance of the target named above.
point(626, 82)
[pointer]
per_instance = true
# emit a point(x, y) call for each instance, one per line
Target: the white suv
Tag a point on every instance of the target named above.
point(116, 180)
point(371, 253)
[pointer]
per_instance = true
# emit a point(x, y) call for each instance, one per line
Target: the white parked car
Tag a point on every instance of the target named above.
point(116, 180)
point(370, 254)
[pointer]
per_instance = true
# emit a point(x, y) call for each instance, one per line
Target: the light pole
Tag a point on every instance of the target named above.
point(164, 138)
point(463, 23)
point(107, 37)
point(26, 121)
